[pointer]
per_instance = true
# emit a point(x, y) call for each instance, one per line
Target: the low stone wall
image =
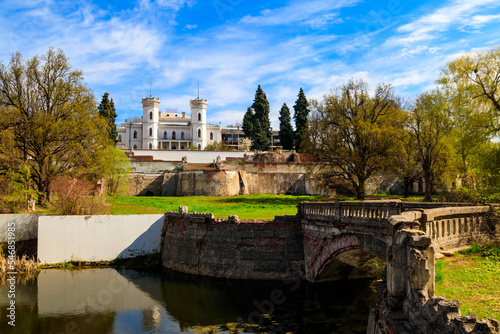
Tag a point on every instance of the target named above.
point(202, 245)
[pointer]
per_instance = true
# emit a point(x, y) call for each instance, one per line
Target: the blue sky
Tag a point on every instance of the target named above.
point(231, 46)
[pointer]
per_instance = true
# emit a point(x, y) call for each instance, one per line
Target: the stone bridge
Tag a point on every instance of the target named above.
point(406, 236)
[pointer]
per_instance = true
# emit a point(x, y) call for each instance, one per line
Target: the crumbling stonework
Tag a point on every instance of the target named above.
point(202, 245)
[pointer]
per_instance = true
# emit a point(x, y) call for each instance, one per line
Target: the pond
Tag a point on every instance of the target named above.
point(128, 301)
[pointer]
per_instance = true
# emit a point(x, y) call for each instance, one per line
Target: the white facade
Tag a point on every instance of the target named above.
point(169, 130)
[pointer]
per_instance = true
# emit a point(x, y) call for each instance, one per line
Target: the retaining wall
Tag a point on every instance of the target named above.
point(201, 245)
point(26, 226)
point(97, 238)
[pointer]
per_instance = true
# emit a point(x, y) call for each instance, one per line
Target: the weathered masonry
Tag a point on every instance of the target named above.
point(302, 245)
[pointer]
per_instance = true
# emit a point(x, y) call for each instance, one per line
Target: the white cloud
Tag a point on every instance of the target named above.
point(431, 26)
point(300, 12)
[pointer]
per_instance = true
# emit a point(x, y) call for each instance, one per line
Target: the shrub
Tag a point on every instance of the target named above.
point(75, 197)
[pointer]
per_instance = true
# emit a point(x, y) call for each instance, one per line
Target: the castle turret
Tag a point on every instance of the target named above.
point(150, 119)
point(199, 122)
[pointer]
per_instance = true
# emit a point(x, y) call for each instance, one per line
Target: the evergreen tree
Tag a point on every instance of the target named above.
point(286, 131)
point(248, 121)
point(301, 115)
point(261, 125)
point(107, 110)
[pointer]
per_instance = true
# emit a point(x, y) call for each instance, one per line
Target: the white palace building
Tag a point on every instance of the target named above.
point(176, 131)
point(169, 130)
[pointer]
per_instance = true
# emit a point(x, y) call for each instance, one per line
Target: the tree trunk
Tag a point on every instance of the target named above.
point(428, 186)
point(360, 191)
point(407, 184)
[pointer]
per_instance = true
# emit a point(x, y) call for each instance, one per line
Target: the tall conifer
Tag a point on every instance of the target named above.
point(301, 115)
point(248, 121)
point(262, 124)
point(286, 131)
point(107, 110)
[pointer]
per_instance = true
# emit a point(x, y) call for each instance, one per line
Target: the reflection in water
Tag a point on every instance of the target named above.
point(128, 301)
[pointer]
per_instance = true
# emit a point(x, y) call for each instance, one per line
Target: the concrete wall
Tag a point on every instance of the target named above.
point(198, 157)
point(26, 226)
point(97, 238)
point(201, 245)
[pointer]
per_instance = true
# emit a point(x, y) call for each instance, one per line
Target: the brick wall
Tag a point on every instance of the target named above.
point(199, 244)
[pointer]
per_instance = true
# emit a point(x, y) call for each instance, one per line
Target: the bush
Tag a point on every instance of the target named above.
point(16, 190)
point(75, 197)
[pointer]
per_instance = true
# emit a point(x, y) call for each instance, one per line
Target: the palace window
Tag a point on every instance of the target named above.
point(199, 133)
point(182, 147)
point(135, 147)
point(173, 134)
point(150, 132)
point(182, 135)
point(199, 116)
point(164, 134)
point(211, 136)
point(199, 146)
point(150, 115)
point(135, 134)
point(174, 147)
point(150, 146)
point(119, 138)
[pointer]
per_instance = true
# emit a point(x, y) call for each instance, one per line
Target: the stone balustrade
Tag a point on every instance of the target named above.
point(380, 210)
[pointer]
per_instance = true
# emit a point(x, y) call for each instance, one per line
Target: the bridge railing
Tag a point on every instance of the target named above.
point(452, 227)
point(380, 210)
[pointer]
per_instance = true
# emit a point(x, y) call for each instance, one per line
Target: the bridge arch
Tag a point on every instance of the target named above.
point(319, 252)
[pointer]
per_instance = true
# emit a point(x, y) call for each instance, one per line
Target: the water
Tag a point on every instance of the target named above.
point(129, 301)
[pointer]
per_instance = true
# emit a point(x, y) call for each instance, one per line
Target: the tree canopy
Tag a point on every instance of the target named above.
point(430, 124)
point(49, 119)
point(354, 134)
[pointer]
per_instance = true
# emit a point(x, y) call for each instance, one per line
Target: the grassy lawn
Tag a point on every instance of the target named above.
point(473, 280)
point(258, 206)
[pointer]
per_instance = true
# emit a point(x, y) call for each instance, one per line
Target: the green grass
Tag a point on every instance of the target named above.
point(258, 206)
point(472, 277)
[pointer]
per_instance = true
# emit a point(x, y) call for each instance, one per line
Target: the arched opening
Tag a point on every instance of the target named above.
point(199, 146)
point(174, 147)
point(182, 147)
point(135, 134)
point(150, 146)
point(164, 134)
point(325, 260)
point(150, 115)
point(199, 133)
point(211, 136)
point(173, 134)
point(150, 132)
point(351, 264)
point(182, 135)
point(199, 116)
point(135, 147)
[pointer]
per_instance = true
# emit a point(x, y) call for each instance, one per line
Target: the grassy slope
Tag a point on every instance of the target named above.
point(259, 206)
point(474, 281)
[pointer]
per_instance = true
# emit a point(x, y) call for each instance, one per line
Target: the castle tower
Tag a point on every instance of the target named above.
point(150, 119)
point(199, 122)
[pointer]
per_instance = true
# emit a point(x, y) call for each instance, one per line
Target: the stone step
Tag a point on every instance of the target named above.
point(449, 252)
